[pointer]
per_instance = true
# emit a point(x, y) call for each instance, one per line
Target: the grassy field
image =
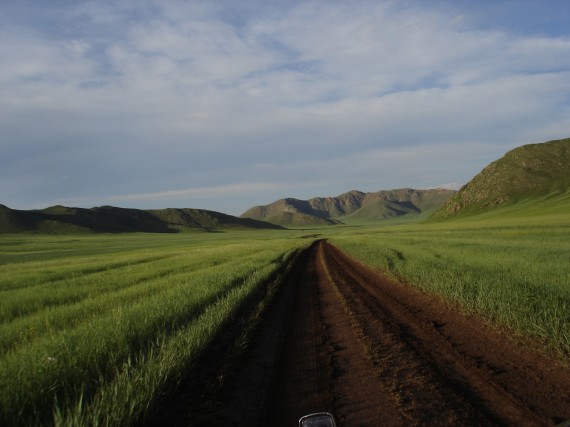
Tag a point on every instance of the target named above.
point(512, 265)
point(94, 329)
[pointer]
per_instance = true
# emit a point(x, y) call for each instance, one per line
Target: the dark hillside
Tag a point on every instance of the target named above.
point(109, 219)
point(201, 218)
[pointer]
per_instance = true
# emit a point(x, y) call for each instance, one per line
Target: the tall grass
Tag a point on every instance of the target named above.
point(516, 272)
point(100, 344)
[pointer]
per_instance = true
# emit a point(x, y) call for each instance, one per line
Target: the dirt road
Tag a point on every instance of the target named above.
point(341, 338)
point(376, 353)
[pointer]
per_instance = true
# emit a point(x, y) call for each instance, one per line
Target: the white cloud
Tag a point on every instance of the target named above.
point(174, 94)
point(204, 192)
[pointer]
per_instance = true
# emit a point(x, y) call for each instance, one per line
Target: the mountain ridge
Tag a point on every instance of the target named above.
point(355, 204)
point(110, 219)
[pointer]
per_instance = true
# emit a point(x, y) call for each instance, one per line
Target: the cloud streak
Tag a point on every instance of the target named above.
point(135, 100)
point(204, 192)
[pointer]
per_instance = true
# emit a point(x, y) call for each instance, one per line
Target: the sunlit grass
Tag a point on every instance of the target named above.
point(98, 337)
point(515, 270)
point(94, 329)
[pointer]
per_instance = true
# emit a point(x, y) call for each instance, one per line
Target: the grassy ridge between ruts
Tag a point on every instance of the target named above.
point(512, 267)
point(95, 330)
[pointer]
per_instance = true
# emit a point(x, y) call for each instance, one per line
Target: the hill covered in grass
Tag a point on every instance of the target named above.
point(354, 205)
point(109, 219)
point(533, 172)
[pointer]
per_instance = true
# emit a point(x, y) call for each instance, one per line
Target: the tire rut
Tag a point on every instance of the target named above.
point(428, 382)
point(341, 338)
point(391, 355)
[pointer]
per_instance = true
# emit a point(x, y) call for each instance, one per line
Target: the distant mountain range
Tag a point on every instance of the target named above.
point(530, 174)
point(286, 212)
point(109, 219)
point(354, 205)
point(527, 172)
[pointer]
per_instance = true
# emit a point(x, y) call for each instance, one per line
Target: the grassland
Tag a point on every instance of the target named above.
point(511, 264)
point(95, 329)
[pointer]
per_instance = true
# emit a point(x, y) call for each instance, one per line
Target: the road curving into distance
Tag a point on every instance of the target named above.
point(341, 338)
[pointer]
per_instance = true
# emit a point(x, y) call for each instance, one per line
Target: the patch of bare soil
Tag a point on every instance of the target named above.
point(343, 339)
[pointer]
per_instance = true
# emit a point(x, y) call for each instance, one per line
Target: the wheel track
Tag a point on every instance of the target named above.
point(397, 366)
point(415, 362)
point(401, 357)
point(342, 338)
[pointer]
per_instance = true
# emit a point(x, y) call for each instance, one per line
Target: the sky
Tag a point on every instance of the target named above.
point(225, 105)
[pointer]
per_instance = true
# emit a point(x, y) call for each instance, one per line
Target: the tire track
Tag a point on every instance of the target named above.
point(377, 353)
point(341, 338)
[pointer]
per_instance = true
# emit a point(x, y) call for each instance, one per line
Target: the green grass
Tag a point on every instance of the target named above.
point(511, 265)
point(94, 329)
point(410, 218)
point(552, 207)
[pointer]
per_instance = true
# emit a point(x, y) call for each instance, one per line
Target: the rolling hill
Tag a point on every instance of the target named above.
point(109, 219)
point(351, 205)
point(527, 173)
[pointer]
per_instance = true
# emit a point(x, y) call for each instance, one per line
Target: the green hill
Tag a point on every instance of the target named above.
point(537, 172)
point(109, 219)
point(354, 205)
point(202, 218)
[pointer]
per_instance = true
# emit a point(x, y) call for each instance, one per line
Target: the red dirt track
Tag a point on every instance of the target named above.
point(343, 339)
point(376, 353)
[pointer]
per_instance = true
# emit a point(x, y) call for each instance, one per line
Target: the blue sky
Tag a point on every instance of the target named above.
point(225, 105)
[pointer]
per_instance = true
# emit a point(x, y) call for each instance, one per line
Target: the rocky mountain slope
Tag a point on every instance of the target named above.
point(354, 204)
point(525, 172)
